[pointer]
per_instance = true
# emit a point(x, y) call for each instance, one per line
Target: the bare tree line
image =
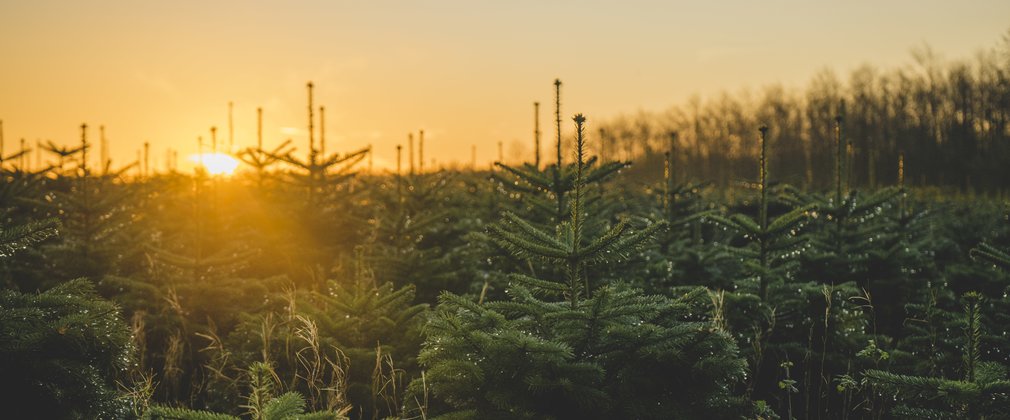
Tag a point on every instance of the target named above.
point(949, 120)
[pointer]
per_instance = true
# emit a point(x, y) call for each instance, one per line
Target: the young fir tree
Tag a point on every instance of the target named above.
point(543, 195)
point(319, 173)
point(771, 242)
point(546, 191)
point(683, 254)
point(98, 214)
point(23, 195)
point(258, 157)
point(353, 345)
point(61, 350)
point(261, 403)
point(321, 199)
point(192, 282)
point(771, 308)
point(416, 233)
point(561, 347)
point(853, 232)
point(981, 392)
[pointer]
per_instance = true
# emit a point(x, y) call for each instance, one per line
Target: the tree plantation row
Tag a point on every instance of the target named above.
point(561, 288)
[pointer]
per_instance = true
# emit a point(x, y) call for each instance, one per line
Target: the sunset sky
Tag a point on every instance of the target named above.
point(467, 72)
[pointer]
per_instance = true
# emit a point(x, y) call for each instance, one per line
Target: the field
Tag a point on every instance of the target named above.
point(517, 292)
point(836, 252)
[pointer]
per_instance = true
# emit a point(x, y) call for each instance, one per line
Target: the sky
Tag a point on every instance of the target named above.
point(466, 72)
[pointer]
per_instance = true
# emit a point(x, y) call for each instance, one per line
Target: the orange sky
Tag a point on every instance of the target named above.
point(466, 72)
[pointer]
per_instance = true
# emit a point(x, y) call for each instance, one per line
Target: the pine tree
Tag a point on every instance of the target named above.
point(683, 253)
point(261, 404)
point(22, 203)
point(545, 191)
point(982, 391)
point(61, 352)
point(771, 243)
point(564, 348)
point(416, 235)
point(771, 309)
point(340, 346)
point(841, 251)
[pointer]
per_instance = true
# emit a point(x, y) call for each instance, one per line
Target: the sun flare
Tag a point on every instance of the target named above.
point(215, 163)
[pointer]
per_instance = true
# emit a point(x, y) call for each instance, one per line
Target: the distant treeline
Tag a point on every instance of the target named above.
point(949, 119)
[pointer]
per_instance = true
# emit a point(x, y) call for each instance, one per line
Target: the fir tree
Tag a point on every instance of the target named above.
point(684, 253)
point(261, 404)
point(772, 308)
point(22, 204)
point(261, 159)
point(841, 251)
point(415, 233)
point(982, 391)
point(61, 352)
point(771, 242)
point(564, 348)
point(545, 191)
point(338, 347)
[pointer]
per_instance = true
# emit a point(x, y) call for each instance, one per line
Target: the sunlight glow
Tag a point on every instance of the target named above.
point(215, 163)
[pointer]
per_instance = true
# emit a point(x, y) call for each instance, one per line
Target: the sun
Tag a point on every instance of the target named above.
point(215, 163)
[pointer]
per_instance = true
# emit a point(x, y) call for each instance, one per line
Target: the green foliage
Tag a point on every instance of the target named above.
point(982, 388)
point(993, 255)
point(98, 226)
point(582, 350)
point(61, 352)
point(568, 247)
point(261, 403)
point(345, 346)
point(288, 406)
point(13, 239)
point(414, 237)
point(619, 354)
point(563, 290)
point(772, 242)
point(171, 413)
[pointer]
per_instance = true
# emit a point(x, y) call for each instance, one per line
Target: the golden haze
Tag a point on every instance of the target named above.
point(465, 72)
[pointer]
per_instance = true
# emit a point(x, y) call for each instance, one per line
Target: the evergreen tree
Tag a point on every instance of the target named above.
point(982, 391)
point(261, 403)
point(22, 198)
point(684, 254)
point(61, 350)
point(562, 347)
point(771, 242)
point(347, 345)
point(98, 215)
point(772, 309)
point(416, 235)
point(545, 191)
